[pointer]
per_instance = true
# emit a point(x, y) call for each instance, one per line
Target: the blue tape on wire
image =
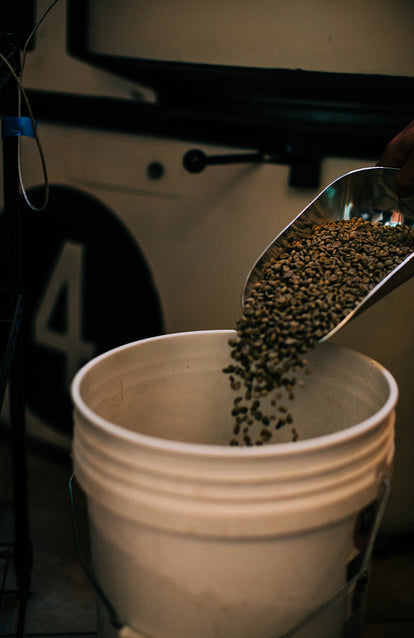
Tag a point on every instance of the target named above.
point(15, 126)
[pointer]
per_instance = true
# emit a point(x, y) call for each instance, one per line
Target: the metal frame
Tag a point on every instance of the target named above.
point(17, 553)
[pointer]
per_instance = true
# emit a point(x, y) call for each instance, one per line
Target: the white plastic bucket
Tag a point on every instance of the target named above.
point(192, 537)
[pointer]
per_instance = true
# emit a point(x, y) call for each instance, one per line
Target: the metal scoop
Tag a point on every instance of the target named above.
point(370, 193)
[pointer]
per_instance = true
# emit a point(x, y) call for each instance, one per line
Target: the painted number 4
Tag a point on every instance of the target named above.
point(66, 279)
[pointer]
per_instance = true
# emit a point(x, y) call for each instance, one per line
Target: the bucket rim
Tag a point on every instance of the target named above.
point(226, 451)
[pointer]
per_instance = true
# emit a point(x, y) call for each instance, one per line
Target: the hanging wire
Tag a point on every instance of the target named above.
point(36, 27)
point(39, 145)
point(22, 93)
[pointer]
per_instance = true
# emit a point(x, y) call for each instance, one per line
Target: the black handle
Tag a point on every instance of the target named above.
point(195, 161)
point(304, 169)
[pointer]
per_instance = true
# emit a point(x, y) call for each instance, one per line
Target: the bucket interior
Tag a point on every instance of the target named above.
point(173, 387)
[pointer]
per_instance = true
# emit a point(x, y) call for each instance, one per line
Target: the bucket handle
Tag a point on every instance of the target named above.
point(128, 632)
point(113, 617)
point(386, 489)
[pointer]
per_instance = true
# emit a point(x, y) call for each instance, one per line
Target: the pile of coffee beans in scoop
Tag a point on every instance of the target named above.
point(314, 279)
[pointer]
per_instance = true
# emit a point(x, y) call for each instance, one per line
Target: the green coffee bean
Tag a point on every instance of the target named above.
point(308, 286)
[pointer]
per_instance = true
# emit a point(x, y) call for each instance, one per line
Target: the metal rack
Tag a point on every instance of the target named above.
point(15, 554)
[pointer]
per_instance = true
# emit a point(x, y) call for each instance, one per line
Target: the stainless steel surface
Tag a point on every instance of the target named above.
point(369, 193)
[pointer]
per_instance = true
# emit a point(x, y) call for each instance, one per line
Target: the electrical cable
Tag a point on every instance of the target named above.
point(22, 93)
point(39, 145)
point(36, 27)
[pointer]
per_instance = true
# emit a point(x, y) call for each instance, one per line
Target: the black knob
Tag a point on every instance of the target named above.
point(195, 161)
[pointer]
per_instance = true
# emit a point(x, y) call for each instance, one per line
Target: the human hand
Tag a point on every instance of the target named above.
point(399, 153)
